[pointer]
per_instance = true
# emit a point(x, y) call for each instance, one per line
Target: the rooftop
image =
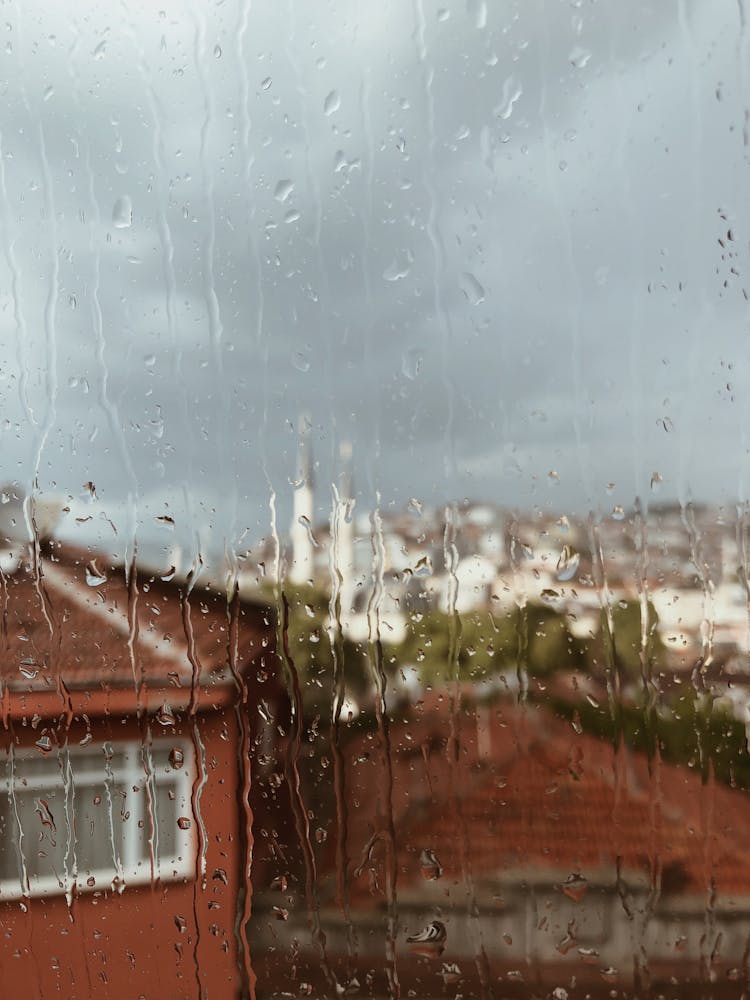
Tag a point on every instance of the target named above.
point(73, 626)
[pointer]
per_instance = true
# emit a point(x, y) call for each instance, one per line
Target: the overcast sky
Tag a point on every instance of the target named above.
point(500, 247)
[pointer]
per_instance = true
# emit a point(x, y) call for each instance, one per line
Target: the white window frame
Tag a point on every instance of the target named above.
point(119, 763)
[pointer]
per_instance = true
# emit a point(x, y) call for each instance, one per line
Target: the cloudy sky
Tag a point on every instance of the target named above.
point(500, 247)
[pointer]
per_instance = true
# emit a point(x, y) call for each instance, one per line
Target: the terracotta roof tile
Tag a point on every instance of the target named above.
point(538, 800)
point(71, 620)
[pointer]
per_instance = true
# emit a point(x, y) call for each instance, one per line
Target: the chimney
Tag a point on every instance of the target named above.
point(301, 564)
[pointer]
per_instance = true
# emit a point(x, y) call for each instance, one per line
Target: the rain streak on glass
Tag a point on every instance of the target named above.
point(375, 501)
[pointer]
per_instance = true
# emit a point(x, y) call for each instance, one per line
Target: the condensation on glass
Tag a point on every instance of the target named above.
point(374, 527)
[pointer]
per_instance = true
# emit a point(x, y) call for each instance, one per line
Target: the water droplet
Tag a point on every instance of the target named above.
point(423, 567)
point(568, 942)
point(579, 57)
point(567, 564)
point(220, 875)
point(471, 288)
point(301, 361)
point(45, 814)
point(293, 215)
point(217, 51)
point(411, 363)
point(280, 913)
point(176, 757)
point(122, 213)
point(618, 514)
point(266, 83)
point(512, 91)
point(184, 823)
point(656, 480)
point(575, 887)
point(332, 103)
point(181, 924)
point(283, 189)
point(100, 49)
point(450, 973)
point(443, 14)
point(589, 955)
point(49, 92)
point(399, 269)
point(429, 866)
point(430, 942)
point(278, 884)
point(94, 576)
point(44, 743)
point(165, 716)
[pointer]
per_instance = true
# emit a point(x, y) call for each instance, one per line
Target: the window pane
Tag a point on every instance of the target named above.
point(374, 515)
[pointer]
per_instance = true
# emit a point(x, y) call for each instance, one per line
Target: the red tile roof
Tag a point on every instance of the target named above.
point(538, 800)
point(72, 623)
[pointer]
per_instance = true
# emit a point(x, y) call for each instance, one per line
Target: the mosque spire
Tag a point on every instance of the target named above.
point(301, 563)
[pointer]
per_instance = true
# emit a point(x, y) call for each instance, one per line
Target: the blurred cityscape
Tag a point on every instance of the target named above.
point(457, 752)
point(523, 751)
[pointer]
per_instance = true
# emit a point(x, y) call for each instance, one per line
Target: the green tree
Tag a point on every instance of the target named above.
point(551, 645)
point(490, 643)
point(626, 645)
point(311, 652)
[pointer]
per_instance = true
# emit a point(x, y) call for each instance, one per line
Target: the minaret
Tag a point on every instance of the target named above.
point(301, 562)
point(346, 534)
point(730, 559)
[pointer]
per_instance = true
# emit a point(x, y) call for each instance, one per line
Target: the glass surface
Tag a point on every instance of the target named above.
point(74, 823)
point(374, 515)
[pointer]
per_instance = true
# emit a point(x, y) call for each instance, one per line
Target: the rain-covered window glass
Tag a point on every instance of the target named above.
point(86, 820)
point(374, 511)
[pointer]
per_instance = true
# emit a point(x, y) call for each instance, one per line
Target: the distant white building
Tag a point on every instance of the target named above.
point(301, 568)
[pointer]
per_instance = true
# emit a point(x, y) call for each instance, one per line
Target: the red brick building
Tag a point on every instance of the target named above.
point(133, 715)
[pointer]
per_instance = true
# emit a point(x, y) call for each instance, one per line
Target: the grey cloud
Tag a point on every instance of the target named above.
point(588, 212)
